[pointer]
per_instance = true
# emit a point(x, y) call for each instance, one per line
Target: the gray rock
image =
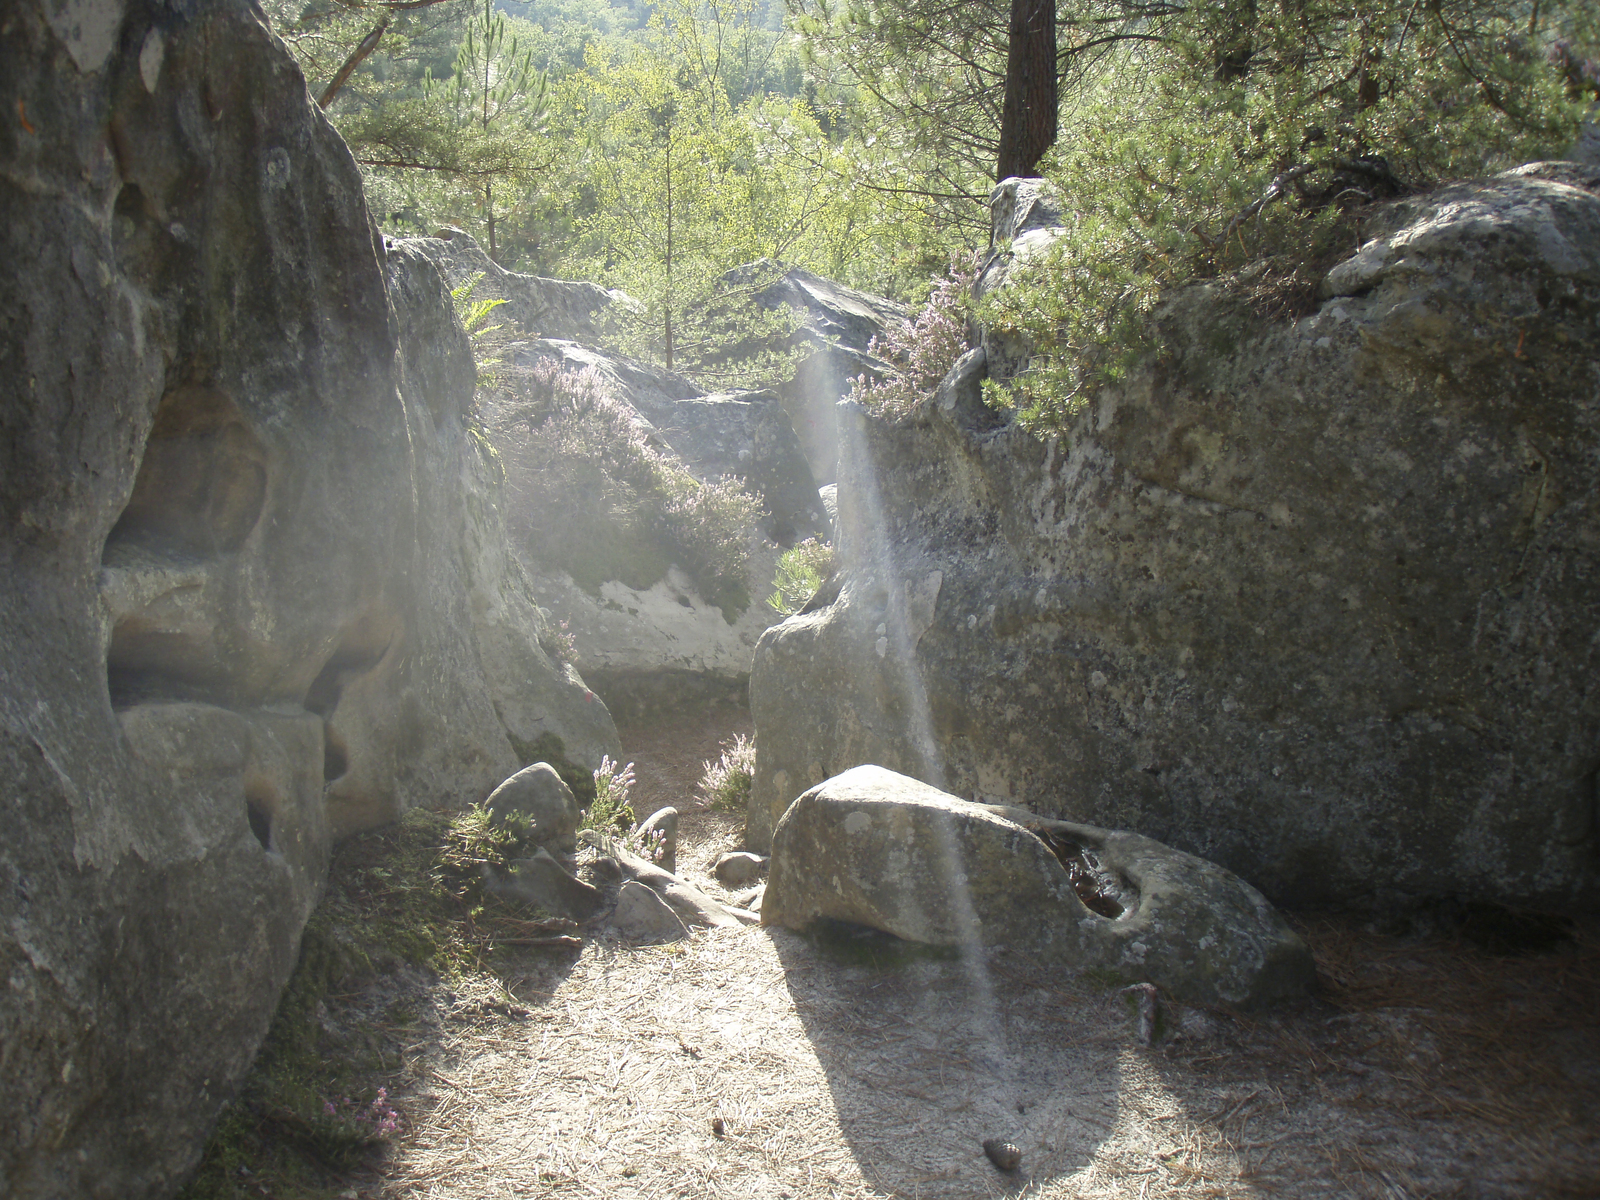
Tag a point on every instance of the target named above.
point(540, 307)
point(838, 324)
point(665, 822)
point(738, 868)
point(1304, 598)
point(644, 916)
point(542, 796)
point(749, 898)
point(255, 593)
point(542, 883)
point(663, 621)
point(886, 851)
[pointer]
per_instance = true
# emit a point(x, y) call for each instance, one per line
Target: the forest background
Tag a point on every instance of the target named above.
point(652, 147)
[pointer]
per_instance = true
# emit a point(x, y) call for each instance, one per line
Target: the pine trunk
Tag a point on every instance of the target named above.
point(1028, 120)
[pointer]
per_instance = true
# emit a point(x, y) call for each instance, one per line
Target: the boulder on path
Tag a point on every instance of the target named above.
point(644, 916)
point(883, 850)
point(738, 868)
point(543, 884)
point(1309, 598)
point(543, 797)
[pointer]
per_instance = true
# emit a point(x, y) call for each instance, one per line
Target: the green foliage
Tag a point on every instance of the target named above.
point(1246, 140)
point(611, 813)
point(802, 570)
point(725, 784)
point(472, 314)
point(606, 504)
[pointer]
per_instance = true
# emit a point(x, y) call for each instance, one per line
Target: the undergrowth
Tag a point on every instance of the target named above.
point(802, 570)
point(921, 350)
point(406, 902)
point(603, 502)
point(725, 784)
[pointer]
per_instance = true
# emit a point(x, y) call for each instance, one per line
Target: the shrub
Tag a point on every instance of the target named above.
point(725, 784)
point(922, 350)
point(1254, 136)
point(802, 570)
point(611, 814)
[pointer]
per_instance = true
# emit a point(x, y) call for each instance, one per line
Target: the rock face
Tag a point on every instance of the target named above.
point(837, 325)
point(539, 307)
point(879, 849)
point(254, 592)
point(1309, 599)
point(656, 619)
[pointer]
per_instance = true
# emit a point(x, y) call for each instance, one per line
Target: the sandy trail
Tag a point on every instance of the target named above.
point(1429, 1069)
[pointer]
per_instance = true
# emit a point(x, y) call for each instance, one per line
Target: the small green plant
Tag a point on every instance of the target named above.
point(725, 784)
point(472, 314)
point(561, 644)
point(648, 844)
point(611, 814)
point(802, 569)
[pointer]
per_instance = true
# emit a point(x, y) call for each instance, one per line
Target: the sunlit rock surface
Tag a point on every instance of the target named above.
point(836, 327)
point(1311, 599)
point(255, 591)
point(882, 850)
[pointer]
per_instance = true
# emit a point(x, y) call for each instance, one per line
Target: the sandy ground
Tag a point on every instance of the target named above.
point(753, 1063)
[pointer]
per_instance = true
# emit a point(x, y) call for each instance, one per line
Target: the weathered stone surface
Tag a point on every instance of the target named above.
point(541, 795)
point(643, 916)
point(538, 306)
point(543, 884)
point(1025, 221)
point(838, 324)
point(1310, 599)
point(244, 600)
point(737, 868)
point(664, 821)
point(883, 850)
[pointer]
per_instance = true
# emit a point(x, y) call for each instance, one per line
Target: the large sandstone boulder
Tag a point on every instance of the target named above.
point(879, 849)
point(1310, 599)
point(535, 305)
point(255, 592)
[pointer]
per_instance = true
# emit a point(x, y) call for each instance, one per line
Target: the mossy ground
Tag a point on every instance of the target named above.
point(404, 914)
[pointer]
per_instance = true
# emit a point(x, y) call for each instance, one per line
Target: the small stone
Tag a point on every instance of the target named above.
point(1003, 1154)
point(717, 1127)
point(643, 916)
point(738, 868)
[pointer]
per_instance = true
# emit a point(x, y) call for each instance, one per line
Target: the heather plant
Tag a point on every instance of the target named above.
point(725, 784)
point(611, 814)
point(802, 569)
point(602, 502)
point(648, 844)
point(348, 1120)
point(921, 350)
